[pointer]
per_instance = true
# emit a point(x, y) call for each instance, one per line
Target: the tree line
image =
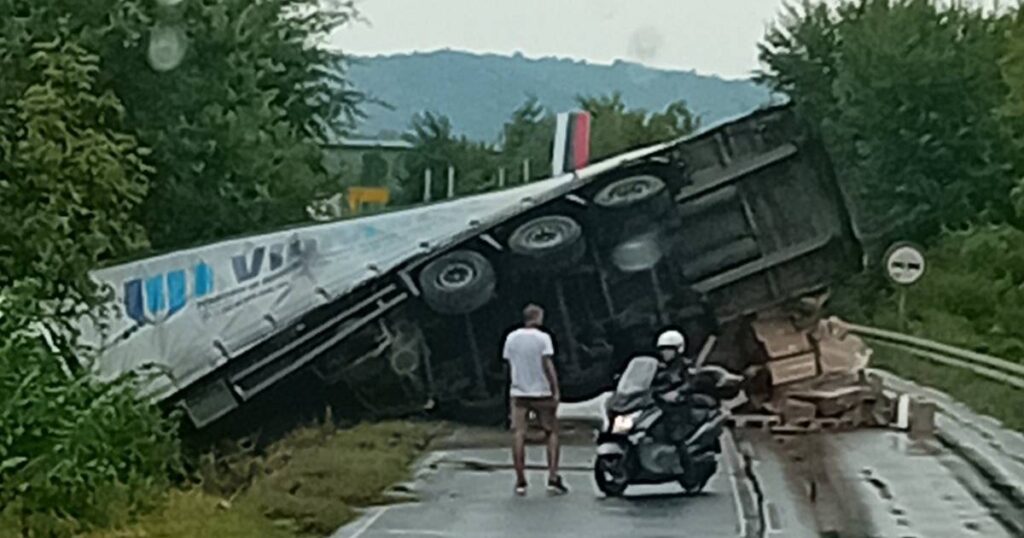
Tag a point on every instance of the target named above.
point(528, 136)
point(921, 105)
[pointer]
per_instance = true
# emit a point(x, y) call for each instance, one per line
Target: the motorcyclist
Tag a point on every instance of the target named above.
point(669, 385)
point(672, 374)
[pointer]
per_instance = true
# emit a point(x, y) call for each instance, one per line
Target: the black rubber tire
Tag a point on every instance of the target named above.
point(622, 212)
point(640, 193)
point(548, 243)
point(698, 477)
point(608, 475)
point(458, 282)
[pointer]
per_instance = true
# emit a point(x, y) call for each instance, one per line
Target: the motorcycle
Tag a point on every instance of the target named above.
point(641, 444)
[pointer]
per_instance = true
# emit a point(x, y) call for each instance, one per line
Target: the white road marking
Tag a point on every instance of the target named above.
point(369, 522)
point(730, 448)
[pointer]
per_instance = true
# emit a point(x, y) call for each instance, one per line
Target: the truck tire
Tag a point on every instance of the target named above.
point(548, 243)
point(630, 206)
point(458, 282)
point(642, 194)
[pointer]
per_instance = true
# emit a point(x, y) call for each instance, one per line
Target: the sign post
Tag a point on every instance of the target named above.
point(904, 265)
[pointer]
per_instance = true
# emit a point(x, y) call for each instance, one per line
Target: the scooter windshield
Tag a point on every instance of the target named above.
point(638, 376)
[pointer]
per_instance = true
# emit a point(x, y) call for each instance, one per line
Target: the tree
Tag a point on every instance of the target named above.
point(236, 135)
point(905, 92)
point(374, 170)
point(74, 453)
point(235, 128)
point(528, 135)
point(436, 147)
point(616, 128)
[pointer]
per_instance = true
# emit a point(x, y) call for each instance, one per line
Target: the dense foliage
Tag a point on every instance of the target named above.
point(907, 94)
point(110, 140)
point(921, 105)
point(73, 452)
point(234, 127)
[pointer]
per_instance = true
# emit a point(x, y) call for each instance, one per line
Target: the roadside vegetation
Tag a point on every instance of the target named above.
point(308, 484)
point(921, 106)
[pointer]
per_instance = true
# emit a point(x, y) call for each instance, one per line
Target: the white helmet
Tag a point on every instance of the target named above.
point(673, 339)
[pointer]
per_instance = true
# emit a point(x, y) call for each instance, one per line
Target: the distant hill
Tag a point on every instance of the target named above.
point(479, 91)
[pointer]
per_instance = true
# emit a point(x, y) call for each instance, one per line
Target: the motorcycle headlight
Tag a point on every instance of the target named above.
point(624, 423)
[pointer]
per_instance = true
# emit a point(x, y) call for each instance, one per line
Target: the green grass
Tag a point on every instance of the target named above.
point(326, 477)
point(308, 484)
point(979, 393)
point(195, 513)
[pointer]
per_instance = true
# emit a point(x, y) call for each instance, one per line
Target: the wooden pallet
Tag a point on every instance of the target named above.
point(755, 421)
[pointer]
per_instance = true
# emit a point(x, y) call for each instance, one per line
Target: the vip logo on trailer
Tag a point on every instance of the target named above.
point(148, 300)
point(249, 266)
point(157, 298)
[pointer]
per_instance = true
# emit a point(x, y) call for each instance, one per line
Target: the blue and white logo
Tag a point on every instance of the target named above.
point(159, 297)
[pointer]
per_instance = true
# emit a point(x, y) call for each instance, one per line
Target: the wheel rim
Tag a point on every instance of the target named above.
point(545, 236)
point(629, 191)
point(543, 233)
point(456, 275)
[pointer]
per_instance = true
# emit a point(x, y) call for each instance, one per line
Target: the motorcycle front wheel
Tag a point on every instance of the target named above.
point(610, 475)
point(698, 477)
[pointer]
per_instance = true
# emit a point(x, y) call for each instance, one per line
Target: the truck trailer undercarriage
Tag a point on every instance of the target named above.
point(701, 234)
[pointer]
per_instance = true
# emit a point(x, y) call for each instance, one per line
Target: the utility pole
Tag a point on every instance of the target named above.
point(526, 170)
point(426, 185)
point(451, 181)
point(501, 178)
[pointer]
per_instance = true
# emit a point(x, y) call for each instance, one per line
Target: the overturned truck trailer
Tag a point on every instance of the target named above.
point(408, 309)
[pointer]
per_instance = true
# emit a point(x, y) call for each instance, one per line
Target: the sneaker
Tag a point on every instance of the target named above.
point(557, 487)
point(521, 489)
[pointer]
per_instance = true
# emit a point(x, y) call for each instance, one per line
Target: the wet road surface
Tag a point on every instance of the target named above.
point(476, 501)
point(867, 483)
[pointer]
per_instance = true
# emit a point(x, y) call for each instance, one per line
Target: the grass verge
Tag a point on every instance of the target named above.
point(979, 393)
point(308, 484)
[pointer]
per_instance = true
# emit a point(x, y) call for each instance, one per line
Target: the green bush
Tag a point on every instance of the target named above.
point(972, 294)
point(75, 453)
point(913, 98)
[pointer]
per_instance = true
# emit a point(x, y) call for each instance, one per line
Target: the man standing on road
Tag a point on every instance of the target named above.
point(534, 387)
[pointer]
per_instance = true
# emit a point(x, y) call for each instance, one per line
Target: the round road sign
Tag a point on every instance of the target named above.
point(904, 263)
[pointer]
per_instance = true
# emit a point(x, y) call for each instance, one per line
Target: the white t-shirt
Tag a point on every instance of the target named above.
point(525, 350)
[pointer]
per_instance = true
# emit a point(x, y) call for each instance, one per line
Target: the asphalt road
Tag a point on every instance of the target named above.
point(853, 484)
point(468, 494)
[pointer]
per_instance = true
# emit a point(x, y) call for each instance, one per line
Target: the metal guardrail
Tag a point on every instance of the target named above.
point(994, 368)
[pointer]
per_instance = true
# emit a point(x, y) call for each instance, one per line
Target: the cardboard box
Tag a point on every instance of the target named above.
point(793, 369)
point(780, 338)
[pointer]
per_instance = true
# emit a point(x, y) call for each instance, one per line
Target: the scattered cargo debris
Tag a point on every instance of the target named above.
point(818, 377)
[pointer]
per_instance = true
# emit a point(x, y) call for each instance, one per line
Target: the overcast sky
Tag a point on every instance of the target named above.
point(710, 36)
